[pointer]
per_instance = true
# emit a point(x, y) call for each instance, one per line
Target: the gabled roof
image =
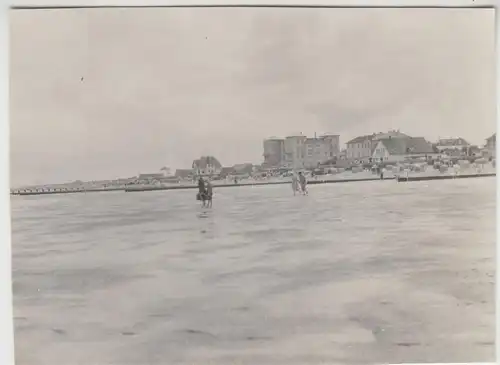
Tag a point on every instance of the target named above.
point(402, 146)
point(204, 161)
point(391, 134)
point(360, 139)
point(379, 136)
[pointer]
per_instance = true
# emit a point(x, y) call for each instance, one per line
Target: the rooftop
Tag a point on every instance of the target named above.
point(401, 146)
point(377, 136)
point(360, 139)
point(204, 161)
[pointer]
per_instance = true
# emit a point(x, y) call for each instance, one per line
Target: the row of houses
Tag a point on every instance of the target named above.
point(302, 152)
point(395, 146)
point(299, 151)
point(207, 166)
point(391, 146)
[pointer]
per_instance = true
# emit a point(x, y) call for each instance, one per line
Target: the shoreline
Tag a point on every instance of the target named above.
point(311, 182)
point(143, 188)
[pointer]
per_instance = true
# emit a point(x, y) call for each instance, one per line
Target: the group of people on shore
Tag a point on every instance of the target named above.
point(205, 192)
point(299, 183)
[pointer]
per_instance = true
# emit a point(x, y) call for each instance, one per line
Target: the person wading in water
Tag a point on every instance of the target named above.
point(303, 183)
point(295, 184)
point(209, 194)
point(201, 191)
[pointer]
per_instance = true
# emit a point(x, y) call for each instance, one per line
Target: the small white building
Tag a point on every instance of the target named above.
point(452, 144)
point(206, 166)
point(361, 148)
point(400, 149)
point(491, 145)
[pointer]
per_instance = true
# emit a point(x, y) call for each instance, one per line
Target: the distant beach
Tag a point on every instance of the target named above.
point(345, 176)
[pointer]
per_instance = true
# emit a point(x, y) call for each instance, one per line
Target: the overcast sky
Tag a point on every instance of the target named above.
point(163, 86)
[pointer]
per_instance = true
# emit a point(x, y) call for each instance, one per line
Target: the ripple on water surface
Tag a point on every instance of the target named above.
point(361, 272)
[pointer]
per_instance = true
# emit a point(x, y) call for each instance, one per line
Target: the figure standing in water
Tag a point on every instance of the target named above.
point(295, 184)
point(209, 194)
point(201, 191)
point(303, 183)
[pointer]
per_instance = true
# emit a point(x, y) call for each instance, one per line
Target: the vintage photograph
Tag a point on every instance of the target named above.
point(253, 185)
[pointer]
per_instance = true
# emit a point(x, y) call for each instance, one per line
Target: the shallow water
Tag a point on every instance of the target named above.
point(364, 272)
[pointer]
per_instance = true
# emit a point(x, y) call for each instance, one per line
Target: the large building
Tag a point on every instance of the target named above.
point(274, 151)
point(294, 151)
point(321, 149)
point(299, 151)
point(361, 148)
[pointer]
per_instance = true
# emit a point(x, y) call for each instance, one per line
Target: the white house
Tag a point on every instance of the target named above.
point(206, 166)
point(361, 148)
point(452, 144)
point(400, 149)
point(491, 145)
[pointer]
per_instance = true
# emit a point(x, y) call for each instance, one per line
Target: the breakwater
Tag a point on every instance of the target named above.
point(441, 177)
point(52, 191)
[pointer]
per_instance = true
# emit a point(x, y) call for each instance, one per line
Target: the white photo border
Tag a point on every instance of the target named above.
point(6, 310)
